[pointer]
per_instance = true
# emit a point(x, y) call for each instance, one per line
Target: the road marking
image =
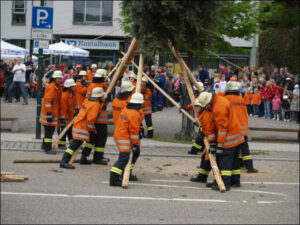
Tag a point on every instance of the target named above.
point(250, 182)
point(198, 188)
point(118, 197)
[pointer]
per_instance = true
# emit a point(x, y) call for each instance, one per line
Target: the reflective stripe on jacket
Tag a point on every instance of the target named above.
point(67, 107)
point(147, 107)
point(127, 129)
point(208, 126)
point(51, 103)
point(117, 106)
point(80, 94)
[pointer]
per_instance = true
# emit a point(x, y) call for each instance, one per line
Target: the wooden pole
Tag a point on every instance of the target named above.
point(39, 161)
point(126, 173)
point(166, 95)
point(125, 61)
point(72, 160)
point(112, 72)
point(178, 56)
point(63, 133)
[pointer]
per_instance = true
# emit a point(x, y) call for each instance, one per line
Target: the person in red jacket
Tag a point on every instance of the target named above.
point(49, 116)
point(126, 137)
point(67, 110)
point(84, 126)
point(267, 97)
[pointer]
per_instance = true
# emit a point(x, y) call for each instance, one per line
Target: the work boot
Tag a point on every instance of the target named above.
point(84, 160)
point(211, 184)
point(249, 166)
point(193, 151)
point(216, 187)
point(236, 184)
point(115, 180)
point(200, 178)
point(64, 163)
point(50, 152)
point(99, 159)
point(150, 134)
point(132, 177)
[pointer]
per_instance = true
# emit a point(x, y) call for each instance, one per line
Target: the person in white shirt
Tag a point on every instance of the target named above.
point(19, 79)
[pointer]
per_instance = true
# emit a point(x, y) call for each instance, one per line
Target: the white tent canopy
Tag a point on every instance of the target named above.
point(10, 49)
point(62, 48)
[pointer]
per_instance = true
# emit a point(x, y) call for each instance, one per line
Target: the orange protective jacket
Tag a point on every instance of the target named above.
point(256, 99)
point(127, 130)
point(80, 94)
point(67, 107)
point(248, 99)
point(237, 104)
point(90, 76)
point(229, 129)
point(118, 105)
point(51, 103)
point(85, 120)
point(147, 107)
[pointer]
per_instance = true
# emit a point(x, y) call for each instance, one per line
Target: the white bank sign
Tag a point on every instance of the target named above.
point(94, 44)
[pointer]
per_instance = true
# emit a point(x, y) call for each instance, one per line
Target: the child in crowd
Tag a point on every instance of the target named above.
point(256, 101)
point(276, 102)
point(295, 108)
point(296, 90)
point(248, 101)
point(285, 106)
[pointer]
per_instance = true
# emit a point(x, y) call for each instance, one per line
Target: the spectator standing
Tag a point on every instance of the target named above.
point(285, 106)
point(296, 90)
point(222, 84)
point(280, 79)
point(256, 101)
point(267, 97)
point(29, 68)
point(276, 103)
point(243, 85)
point(8, 78)
point(1, 81)
point(99, 65)
point(169, 90)
point(223, 69)
point(248, 101)
point(19, 78)
point(33, 84)
point(161, 81)
point(203, 74)
point(275, 73)
point(295, 108)
point(228, 73)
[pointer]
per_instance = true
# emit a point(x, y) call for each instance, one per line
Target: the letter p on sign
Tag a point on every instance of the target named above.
point(41, 15)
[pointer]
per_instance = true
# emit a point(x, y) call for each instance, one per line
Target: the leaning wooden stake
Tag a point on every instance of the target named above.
point(40, 161)
point(166, 95)
point(72, 160)
point(126, 174)
point(112, 72)
point(63, 133)
point(214, 167)
point(10, 176)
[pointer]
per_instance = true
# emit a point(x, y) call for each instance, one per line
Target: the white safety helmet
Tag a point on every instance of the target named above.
point(232, 86)
point(101, 73)
point(93, 66)
point(197, 102)
point(201, 86)
point(137, 98)
point(97, 92)
point(69, 83)
point(204, 98)
point(145, 79)
point(82, 73)
point(132, 74)
point(126, 86)
point(57, 74)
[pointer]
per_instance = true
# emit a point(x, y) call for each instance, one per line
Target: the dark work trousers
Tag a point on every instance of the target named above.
point(198, 144)
point(86, 151)
point(100, 141)
point(47, 140)
point(229, 165)
point(148, 119)
point(122, 161)
point(74, 146)
point(205, 167)
point(68, 134)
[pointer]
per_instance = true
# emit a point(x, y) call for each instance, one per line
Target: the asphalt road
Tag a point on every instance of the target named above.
point(163, 194)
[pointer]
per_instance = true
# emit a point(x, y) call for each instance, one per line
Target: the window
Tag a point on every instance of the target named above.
point(18, 12)
point(92, 12)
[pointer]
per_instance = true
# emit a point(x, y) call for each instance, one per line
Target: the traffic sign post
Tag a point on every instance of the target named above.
point(44, 44)
point(42, 24)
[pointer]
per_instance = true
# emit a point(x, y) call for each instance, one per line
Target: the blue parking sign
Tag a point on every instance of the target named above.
point(42, 17)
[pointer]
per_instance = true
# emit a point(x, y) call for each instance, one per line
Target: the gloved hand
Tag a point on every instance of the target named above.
point(76, 112)
point(212, 149)
point(135, 148)
point(49, 117)
point(62, 122)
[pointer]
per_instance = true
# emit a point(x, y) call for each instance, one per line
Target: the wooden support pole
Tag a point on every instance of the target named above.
point(40, 161)
point(72, 160)
point(63, 133)
point(112, 72)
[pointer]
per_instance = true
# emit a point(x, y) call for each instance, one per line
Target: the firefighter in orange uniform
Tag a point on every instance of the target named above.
point(84, 126)
point(81, 86)
point(50, 110)
point(238, 104)
point(67, 109)
point(132, 78)
point(126, 137)
point(147, 108)
point(120, 102)
point(208, 130)
point(91, 73)
point(229, 137)
point(100, 124)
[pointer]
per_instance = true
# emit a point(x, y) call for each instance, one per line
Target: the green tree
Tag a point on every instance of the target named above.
point(279, 38)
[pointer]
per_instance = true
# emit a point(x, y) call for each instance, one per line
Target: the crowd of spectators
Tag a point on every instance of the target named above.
point(272, 96)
